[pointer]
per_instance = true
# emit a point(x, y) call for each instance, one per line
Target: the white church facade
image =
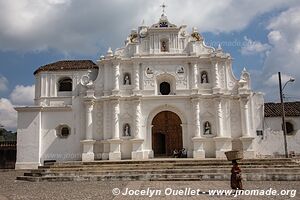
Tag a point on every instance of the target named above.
point(164, 90)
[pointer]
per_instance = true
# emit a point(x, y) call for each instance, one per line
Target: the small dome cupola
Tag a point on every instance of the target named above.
point(163, 20)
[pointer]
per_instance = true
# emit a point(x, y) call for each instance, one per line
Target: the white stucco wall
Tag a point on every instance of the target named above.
point(29, 139)
point(54, 147)
point(272, 141)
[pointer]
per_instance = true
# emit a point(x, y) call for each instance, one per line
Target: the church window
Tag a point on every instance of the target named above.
point(63, 131)
point(165, 88)
point(65, 85)
point(204, 77)
point(164, 45)
point(289, 128)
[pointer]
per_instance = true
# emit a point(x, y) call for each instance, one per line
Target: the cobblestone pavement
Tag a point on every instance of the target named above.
point(12, 189)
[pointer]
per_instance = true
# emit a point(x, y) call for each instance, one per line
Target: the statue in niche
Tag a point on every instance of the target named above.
point(127, 79)
point(126, 130)
point(164, 46)
point(207, 128)
point(204, 78)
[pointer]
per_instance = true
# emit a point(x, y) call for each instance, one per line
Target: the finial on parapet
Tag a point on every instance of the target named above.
point(219, 47)
point(109, 52)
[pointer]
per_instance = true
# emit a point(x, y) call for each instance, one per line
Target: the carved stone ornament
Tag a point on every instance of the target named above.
point(149, 72)
point(143, 32)
point(133, 36)
point(86, 80)
point(196, 35)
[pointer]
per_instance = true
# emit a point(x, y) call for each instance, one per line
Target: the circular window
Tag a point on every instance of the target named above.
point(165, 88)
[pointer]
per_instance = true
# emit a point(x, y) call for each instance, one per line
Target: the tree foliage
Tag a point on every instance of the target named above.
point(6, 135)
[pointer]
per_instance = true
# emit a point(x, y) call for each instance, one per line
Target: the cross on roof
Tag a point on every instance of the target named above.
point(163, 8)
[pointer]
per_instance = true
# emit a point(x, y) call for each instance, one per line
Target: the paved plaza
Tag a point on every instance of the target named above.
point(12, 189)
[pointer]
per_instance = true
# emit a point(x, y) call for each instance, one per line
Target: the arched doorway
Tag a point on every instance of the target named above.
point(166, 133)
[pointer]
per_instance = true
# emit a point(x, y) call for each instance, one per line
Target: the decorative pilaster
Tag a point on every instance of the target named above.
point(222, 143)
point(89, 119)
point(117, 78)
point(197, 140)
point(137, 142)
point(115, 119)
point(195, 75)
point(217, 87)
point(88, 143)
point(196, 115)
point(136, 73)
point(106, 122)
point(115, 142)
point(246, 139)
point(137, 119)
point(219, 116)
point(244, 117)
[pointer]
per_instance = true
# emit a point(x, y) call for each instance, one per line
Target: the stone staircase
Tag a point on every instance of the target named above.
point(166, 170)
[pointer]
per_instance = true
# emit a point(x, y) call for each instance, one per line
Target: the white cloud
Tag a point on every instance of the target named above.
point(81, 26)
point(254, 47)
point(22, 95)
point(274, 37)
point(8, 116)
point(284, 56)
point(274, 80)
point(3, 83)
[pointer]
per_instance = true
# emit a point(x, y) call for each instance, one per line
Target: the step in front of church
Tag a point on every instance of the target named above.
point(166, 170)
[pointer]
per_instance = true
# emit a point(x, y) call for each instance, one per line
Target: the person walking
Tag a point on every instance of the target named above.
point(236, 177)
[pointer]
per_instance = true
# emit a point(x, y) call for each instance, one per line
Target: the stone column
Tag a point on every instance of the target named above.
point(196, 113)
point(217, 87)
point(137, 119)
point(88, 143)
point(219, 117)
point(115, 142)
point(198, 141)
point(244, 117)
point(117, 78)
point(195, 75)
point(106, 130)
point(115, 119)
point(136, 73)
point(222, 143)
point(137, 142)
point(246, 139)
point(89, 120)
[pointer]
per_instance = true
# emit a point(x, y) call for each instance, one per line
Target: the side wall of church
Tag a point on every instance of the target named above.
point(271, 142)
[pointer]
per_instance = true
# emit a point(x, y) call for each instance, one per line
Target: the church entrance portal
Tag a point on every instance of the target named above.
point(166, 133)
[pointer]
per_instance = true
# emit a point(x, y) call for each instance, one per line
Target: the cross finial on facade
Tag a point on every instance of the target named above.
point(163, 8)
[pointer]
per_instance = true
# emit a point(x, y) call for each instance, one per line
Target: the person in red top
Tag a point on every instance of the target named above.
point(236, 178)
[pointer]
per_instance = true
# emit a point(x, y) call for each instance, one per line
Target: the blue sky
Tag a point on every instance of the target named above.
point(261, 35)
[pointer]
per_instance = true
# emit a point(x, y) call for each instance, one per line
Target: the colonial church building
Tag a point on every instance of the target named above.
point(164, 90)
